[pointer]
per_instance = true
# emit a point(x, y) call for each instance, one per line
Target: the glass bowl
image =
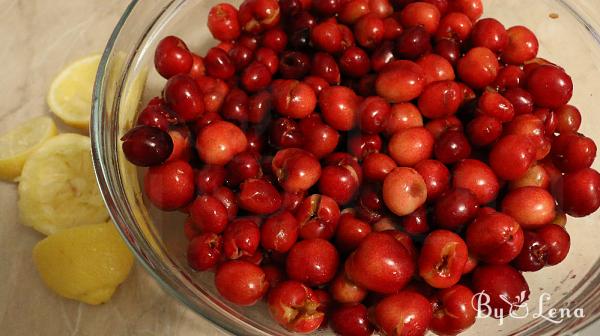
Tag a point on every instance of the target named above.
point(126, 75)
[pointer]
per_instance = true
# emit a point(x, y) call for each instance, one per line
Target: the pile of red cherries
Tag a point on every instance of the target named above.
point(367, 164)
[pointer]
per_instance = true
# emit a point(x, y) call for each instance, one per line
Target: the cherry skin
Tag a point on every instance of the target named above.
point(400, 81)
point(483, 130)
point(312, 261)
point(412, 43)
point(477, 177)
point(478, 68)
point(532, 207)
point(509, 76)
point(550, 86)
point(404, 115)
point(436, 68)
point(268, 57)
point(436, 176)
point(256, 16)
point(189, 230)
point(437, 127)
point(351, 319)
point(241, 238)
point(472, 8)
point(455, 208)
point(170, 185)
point(183, 95)
point(223, 22)
point(318, 137)
point(296, 169)
point(572, 152)
point(421, 14)
point(285, 133)
point(275, 39)
point(147, 146)
point(327, 36)
point(219, 64)
point(318, 84)
point(505, 286)
point(354, 62)
point(340, 182)
point(410, 146)
point(241, 282)
point(156, 114)
point(495, 105)
point(511, 156)
point(453, 311)
point(324, 66)
point(369, 30)
point(536, 176)
point(440, 99)
point(293, 99)
point(172, 57)
point(442, 259)
point(303, 303)
point(404, 190)
point(208, 214)
point(373, 114)
point(350, 232)
point(452, 146)
point(489, 33)
point(558, 242)
point(339, 105)
point(416, 223)
point(259, 196)
point(380, 264)
point(407, 311)
point(228, 198)
point(219, 142)
point(214, 92)
point(568, 119)
point(449, 49)
point(294, 65)
point(204, 251)
point(279, 232)
point(578, 193)
point(243, 166)
point(256, 77)
point(318, 217)
point(345, 291)
point(522, 45)
point(361, 145)
point(521, 100)
point(495, 238)
point(454, 25)
point(376, 166)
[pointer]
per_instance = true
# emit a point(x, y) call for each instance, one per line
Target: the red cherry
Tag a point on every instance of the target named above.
point(223, 22)
point(351, 319)
point(380, 264)
point(172, 57)
point(241, 282)
point(442, 259)
point(183, 95)
point(453, 310)
point(208, 214)
point(170, 185)
point(204, 251)
point(312, 261)
point(495, 238)
point(504, 285)
point(301, 301)
point(406, 311)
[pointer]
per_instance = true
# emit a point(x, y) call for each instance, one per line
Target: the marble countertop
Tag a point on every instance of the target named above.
point(39, 37)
